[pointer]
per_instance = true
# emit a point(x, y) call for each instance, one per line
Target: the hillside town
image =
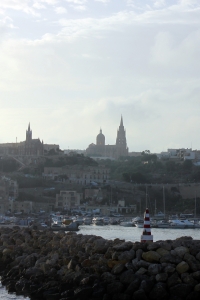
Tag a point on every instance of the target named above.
point(38, 177)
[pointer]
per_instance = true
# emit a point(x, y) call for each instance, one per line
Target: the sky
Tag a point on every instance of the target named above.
point(71, 67)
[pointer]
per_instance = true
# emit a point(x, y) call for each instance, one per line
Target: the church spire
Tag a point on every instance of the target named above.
point(29, 127)
point(121, 123)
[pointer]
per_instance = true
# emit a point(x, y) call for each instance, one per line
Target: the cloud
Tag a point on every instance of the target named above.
point(38, 5)
point(79, 2)
point(103, 1)
point(79, 7)
point(60, 10)
point(78, 73)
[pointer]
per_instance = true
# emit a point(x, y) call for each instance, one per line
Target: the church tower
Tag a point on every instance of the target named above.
point(28, 134)
point(121, 145)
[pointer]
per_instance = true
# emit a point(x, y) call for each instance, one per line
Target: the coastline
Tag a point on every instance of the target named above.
point(47, 265)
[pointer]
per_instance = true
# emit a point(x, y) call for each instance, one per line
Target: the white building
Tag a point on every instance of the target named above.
point(68, 200)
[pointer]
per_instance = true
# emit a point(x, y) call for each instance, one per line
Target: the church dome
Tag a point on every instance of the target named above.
point(100, 139)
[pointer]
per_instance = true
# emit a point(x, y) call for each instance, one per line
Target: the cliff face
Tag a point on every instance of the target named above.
point(47, 265)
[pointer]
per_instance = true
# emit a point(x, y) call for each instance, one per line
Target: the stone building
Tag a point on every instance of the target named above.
point(68, 200)
point(78, 174)
point(31, 147)
point(100, 149)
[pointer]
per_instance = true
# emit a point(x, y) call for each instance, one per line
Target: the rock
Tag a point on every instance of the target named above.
point(123, 246)
point(141, 271)
point(196, 275)
point(165, 245)
point(121, 296)
point(127, 255)
point(168, 258)
point(139, 295)
point(100, 246)
point(133, 286)
point(169, 269)
point(115, 255)
point(98, 290)
point(147, 285)
point(151, 256)
point(173, 280)
point(162, 277)
point(193, 296)
point(162, 251)
point(33, 272)
point(154, 269)
point(83, 292)
point(198, 256)
point(158, 292)
point(115, 287)
point(143, 263)
point(181, 290)
point(197, 287)
point(181, 251)
point(108, 277)
point(192, 262)
point(153, 246)
point(139, 254)
point(118, 268)
point(127, 277)
point(188, 279)
point(182, 267)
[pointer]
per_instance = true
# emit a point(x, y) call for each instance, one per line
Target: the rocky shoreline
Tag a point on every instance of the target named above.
point(53, 266)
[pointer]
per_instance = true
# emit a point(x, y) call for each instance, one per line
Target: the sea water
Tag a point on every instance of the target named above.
point(112, 232)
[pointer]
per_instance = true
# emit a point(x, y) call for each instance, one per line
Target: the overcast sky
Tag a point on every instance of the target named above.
point(70, 67)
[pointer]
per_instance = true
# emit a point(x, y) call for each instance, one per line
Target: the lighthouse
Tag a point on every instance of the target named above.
point(146, 236)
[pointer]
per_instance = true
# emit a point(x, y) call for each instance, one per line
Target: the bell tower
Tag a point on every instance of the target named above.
point(121, 145)
point(121, 135)
point(28, 134)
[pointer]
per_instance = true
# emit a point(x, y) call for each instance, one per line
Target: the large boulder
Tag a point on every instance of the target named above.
point(151, 256)
point(182, 267)
point(181, 251)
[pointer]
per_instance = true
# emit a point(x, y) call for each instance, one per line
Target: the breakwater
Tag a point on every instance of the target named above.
point(53, 266)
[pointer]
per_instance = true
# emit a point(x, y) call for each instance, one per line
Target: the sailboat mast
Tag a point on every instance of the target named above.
point(164, 200)
point(146, 196)
point(195, 205)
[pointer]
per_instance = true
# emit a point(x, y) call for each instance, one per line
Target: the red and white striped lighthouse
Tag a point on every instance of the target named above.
point(146, 236)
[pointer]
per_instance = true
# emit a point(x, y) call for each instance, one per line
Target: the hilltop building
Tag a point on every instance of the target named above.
point(100, 149)
point(30, 146)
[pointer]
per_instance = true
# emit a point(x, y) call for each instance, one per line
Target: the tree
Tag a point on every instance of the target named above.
point(145, 152)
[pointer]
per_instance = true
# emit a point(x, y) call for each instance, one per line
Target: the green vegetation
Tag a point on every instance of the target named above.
point(147, 168)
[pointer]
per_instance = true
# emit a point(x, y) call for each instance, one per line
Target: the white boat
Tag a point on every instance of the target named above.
point(126, 223)
point(188, 223)
point(136, 219)
point(114, 221)
point(87, 221)
point(162, 224)
point(97, 221)
point(139, 224)
point(159, 215)
point(79, 220)
point(106, 220)
point(176, 223)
